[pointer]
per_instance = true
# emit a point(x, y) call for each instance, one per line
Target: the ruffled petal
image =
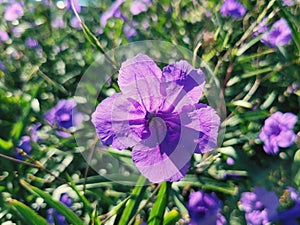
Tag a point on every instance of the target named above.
point(120, 121)
point(205, 120)
point(289, 120)
point(286, 138)
point(139, 77)
point(184, 75)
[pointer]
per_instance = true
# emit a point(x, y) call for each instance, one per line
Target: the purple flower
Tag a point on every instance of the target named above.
point(290, 216)
point(3, 36)
point(129, 30)
point(58, 22)
point(139, 6)
point(277, 132)
point(54, 217)
point(113, 11)
point(260, 206)
point(230, 161)
point(280, 34)
point(75, 23)
point(262, 27)
point(205, 209)
point(293, 88)
point(289, 2)
point(13, 11)
point(25, 141)
point(2, 66)
point(232, 8)
point(76, 5)
point(158, 115)
point(31, 43)
point(64, 115)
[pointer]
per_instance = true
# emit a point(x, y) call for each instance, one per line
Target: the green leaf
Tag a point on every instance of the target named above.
point(63, 209)
point(28, 215)
point(6, 145)
point(295, 168)
point(134, 201)
point(159, 206)
point(172, 217)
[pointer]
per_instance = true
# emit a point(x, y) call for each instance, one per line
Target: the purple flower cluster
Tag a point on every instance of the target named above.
point(260, 206)
point(278, 132)
point(290, 2)
point(205, 209)
point(279, 34)
point(13, 11)
point(157, 114)
point(64, 116)
point(232, 8)
point(54, 217)
point(139, 6)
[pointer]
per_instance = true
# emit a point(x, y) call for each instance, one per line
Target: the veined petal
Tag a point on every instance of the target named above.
point(120, 121)
point(286, 138)
point(139, 77)
point(205, 120)
point(190, 79)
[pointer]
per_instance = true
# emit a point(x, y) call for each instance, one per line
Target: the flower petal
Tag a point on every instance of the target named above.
point(289, 120)
point(183, 74)
point(206, 121)
point(286, 138)
point(139, 77)
point(120, 121)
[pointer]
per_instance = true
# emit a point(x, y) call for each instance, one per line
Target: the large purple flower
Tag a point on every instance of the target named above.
point(3, 36)
point(278, 132)
point(280, 34)
point(158, 115)
point(13, 11)
point(233, 8)
point(260, 206)
point(205, 209)
point(64, 115)
point(54, 217)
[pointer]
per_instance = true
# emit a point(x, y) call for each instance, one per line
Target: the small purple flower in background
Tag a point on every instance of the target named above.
point(205, 209)
point(3, 36)
point(129, 30)
point(290, 2)
point(113, 11)
point(31, 43)
point(230, 161)
point(290, 216)
point(233, 8)
point(75, 23)
point(278, 132)
point(64, 115)
point(158, 114)
point(293, 88)
point(58, 22)
point(13, 11)
point(139, 6)
point(260, 206)
point(25, 141)
point(280, 34)
point(54, 217)
point(2, 66)
point(262, 27)
point(68, 5)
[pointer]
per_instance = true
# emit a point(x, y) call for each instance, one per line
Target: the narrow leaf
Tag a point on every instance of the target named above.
point(158, 209)
point(64, 210)
point(134, 201)
point(28, 215)
point(172, 217)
